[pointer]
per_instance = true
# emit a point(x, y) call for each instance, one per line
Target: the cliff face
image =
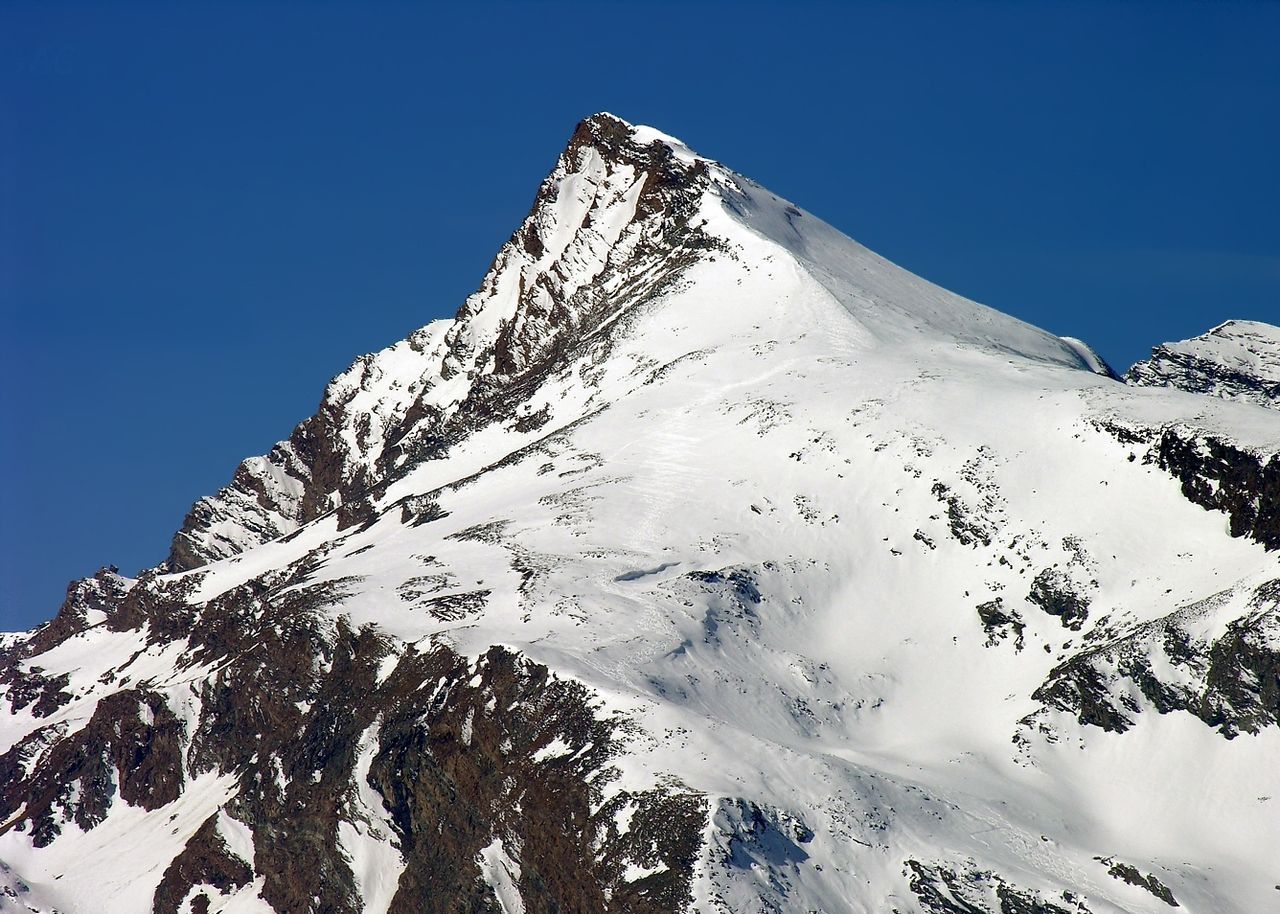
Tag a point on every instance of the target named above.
point(706, 561)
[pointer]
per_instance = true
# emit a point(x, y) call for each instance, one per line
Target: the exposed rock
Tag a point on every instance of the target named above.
point(1055, 593)
point(460, 759)
point(967, 526)
point(1222, 476)
point(205, 862)
point(1231, 682)
point(943, 889)
point(131, 746)
point(999, 622)
point(1215, 473)
point(1133, 876)
point(475, 768)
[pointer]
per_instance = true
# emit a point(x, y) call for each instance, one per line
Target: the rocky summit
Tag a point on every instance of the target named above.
point(706, 561)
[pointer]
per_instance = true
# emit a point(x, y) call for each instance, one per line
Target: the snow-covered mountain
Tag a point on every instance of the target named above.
point(706, 561)
point(1237, 360)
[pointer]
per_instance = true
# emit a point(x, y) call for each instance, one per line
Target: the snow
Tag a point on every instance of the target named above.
point(386, 667)
point(634, 873)
point(366, 835)
point(502, 874)
point(116, 866)
point(1088, 355)
point(554, 749)
point(645, 135)
point(1247, 346)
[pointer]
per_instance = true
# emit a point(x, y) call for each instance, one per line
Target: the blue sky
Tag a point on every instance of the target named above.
point(206, 211)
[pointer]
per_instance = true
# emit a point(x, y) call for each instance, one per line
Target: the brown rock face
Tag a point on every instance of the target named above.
point(205, 861)
point(323, 726)
point(473, 773)
point(131, 746)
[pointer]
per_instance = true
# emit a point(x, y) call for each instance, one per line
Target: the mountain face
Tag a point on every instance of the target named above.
point(706, 561)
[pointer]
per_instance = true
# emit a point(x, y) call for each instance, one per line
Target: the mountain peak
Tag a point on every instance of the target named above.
point(624, 217)
point(1236, 360)
point(619, 198)
point(611, 226)
point(613, 136)
point(602, 130)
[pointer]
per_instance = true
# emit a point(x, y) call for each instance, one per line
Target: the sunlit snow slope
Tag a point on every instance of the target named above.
point(706, 561)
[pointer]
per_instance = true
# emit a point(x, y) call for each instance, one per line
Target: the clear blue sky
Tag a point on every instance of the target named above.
point(207, 211)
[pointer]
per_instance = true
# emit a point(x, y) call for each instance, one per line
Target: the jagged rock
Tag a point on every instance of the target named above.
point(999, 622)
point(942, 889)
point(205, 862)
point(1053, 591)
point(131, 746)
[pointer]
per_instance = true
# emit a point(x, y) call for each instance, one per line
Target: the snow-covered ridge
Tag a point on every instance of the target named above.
point(1237, 360)
point(890, 304)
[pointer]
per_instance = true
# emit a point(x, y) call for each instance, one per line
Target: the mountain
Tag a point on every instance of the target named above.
point(705, 561)
point(1238, 360)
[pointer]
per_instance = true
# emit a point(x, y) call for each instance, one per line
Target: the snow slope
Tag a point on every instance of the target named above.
point(898, 602)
